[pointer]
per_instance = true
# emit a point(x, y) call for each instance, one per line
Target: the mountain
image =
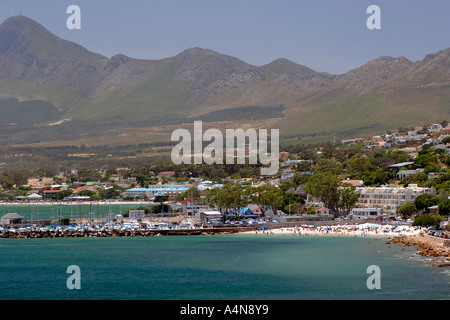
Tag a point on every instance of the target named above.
point(86, 94)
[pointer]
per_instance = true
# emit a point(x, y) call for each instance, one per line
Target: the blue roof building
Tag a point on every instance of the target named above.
point(158, 189)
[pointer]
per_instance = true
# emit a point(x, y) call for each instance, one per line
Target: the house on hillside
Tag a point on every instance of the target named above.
point(397, 166)
point(356, 183)
point(407, 173)
point(435, 127)
point(287, 174)
point(49, 193)
point(166, 174)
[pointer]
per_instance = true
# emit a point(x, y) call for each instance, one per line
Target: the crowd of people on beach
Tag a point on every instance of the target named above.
point(347, 230)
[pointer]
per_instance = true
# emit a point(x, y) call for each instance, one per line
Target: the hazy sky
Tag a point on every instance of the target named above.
point(325, 35)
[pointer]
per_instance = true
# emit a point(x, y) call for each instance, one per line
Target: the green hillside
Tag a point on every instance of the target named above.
point(32, 112)
point(156, 96)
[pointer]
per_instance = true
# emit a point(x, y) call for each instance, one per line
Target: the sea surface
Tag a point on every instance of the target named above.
point(217, 267)
point(95, 210)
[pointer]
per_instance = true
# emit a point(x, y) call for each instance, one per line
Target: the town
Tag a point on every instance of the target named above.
point(395, 177)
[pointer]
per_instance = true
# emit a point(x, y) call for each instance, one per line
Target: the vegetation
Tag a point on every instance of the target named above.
point(427, 220)
point(424, 201)
point(328, 188)
point(323, 176)
point(407, 210)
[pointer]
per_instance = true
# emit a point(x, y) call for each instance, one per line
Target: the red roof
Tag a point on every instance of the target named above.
point(188, 200)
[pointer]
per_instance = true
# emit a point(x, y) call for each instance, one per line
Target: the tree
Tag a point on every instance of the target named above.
point(87, 193)
point(266, 196)
point(230, 196)
point(110, 193)
point(140, 179)
point(423, 201)
point(295, 208)
point(13, 177)
point(406, 210)
point(327, 165)
point(192, 192)
point(289, 199)
point(348, 197)
point(444, 207)
point(358, 164)
point(427, 220)
point(324, 187)
point(419, 177)
point(300, 178)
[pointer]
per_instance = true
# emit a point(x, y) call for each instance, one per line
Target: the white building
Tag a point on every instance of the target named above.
point(208, 185)
point(389, 198)
point(435, 127)
point(211, 216)
point(365, 213)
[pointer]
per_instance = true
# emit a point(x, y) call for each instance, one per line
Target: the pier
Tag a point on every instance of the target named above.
point(30, 234)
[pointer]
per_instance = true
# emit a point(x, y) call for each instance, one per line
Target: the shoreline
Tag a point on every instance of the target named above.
point(427, 246)
point(42, 202)
point(349, 231)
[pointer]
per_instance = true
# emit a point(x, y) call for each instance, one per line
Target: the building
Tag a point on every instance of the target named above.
point(290, 163)
point(50, 193)
point(170, 190)
point(12, 218)
point(136, 214)
point(355, 183)
point(208, 185)
point(389, 198)
point(435, 127)
point(322, 211)
point(211, 216)
point(287, 174)
point(166, 174)
point(352, 141)
point(407, 173)
point(400, 165)
point(365, 213)
point(192, 207)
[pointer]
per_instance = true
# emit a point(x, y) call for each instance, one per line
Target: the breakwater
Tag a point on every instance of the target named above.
point(119, 233)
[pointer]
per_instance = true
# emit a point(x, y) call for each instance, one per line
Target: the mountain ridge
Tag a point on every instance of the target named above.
point(121, 91)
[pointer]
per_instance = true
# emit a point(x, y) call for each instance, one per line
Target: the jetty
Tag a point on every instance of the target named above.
point(30, 234)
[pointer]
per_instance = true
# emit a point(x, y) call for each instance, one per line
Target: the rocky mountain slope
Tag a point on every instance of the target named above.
point(91, 91)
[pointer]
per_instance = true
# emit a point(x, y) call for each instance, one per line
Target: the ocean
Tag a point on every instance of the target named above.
point(217, 267)
point(94, 210)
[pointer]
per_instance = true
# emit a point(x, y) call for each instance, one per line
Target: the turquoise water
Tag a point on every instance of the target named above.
point(33, 212)
point(220, 267)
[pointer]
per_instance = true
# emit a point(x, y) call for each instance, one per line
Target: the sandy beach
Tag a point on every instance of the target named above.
point(363, 230)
